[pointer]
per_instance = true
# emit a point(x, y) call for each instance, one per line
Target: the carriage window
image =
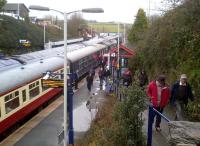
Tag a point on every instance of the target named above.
point(24, 95)
point(11, 101)
point(34, 89)
point(57, 76)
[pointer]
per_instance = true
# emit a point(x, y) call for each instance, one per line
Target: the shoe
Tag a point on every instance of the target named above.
point(158, 129)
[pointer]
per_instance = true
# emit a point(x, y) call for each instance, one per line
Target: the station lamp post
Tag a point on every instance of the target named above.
point(88, 10)
point(124, 34)
point(118, 61)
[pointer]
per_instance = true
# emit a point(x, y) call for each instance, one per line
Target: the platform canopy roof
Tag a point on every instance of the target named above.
point(124, 51)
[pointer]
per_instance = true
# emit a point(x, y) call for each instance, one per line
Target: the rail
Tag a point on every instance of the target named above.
point(152, 111)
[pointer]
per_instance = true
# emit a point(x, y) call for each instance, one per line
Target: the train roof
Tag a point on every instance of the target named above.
point(34, 56)
point(24, 74)
point(21, 69)
point(5, 64)
point(96, 40)
point(76, 55)
point(71, 41)
point(19, 60)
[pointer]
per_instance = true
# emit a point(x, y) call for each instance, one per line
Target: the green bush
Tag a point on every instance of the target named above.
point(127, 115)
point(119, 123)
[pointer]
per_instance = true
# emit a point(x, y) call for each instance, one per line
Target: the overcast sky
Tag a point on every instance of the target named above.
point(114, 10)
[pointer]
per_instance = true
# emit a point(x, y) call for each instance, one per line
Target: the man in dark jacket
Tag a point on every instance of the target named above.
point(180, 93)
point(92, 72)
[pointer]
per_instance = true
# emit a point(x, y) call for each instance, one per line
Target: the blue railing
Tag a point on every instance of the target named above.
point(152, 111)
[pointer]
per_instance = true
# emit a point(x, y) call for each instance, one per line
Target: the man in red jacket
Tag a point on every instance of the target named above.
point(159, 93)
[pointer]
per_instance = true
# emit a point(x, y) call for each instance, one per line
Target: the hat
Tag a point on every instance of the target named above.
point(183, 76)
point(161, 78)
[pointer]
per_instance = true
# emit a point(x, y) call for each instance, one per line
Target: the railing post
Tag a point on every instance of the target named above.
point(70, 106)
point(150, 125)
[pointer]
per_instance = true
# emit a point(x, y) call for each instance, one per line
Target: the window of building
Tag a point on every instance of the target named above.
point(11, 101)
point(34, 89)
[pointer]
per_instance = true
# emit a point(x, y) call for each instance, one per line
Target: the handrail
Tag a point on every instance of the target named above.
point(150, 123)
point(165, 118)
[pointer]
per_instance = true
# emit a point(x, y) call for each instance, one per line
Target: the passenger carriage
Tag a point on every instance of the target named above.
point(21, 90)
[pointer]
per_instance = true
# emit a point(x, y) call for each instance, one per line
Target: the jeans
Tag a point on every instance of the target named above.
point(158, 117)
point(89, 87)
point(179, 110)
point(101, 81)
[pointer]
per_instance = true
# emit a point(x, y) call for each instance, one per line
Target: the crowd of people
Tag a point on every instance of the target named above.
point(158, 91)
point(160, 94)
point(103, 73)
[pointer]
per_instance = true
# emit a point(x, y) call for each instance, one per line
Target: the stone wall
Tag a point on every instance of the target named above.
point(184, 132)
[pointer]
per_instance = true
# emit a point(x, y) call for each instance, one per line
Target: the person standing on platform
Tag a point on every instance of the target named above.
point(127, 78)
point(92, 72)
point(101, 76)
point(158, 92)
point(143, 78)
point(89, 80)
point(107, 75)
point(180, 93)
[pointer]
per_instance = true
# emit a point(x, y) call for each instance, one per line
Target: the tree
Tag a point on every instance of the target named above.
point(74, 23)
point(2, 3)
point(139, 27)
point(171, 4)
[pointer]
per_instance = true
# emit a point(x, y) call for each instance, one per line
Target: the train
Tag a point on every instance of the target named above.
point(21, 90)
point(61, 43)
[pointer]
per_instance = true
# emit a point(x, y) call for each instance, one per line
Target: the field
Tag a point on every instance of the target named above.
point(107, 27)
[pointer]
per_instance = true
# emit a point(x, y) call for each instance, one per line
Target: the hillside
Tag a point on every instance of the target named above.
point(12, 30)
point(170, 46)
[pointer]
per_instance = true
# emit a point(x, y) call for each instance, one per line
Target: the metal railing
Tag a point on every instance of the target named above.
point(152, 111)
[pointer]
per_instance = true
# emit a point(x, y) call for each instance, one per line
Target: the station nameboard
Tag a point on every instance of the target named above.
point(52, 83)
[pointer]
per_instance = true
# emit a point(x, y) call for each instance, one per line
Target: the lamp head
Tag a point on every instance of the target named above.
point(93, 10)
point(40, 8)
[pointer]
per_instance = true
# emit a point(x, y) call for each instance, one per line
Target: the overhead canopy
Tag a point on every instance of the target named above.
point(124, 51)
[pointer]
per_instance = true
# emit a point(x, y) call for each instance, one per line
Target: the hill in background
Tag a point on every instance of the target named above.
point(12, 30)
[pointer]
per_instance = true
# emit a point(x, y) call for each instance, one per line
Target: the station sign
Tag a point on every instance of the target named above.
point(52, 83)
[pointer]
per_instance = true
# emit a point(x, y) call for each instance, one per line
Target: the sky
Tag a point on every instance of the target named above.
point(123, 11)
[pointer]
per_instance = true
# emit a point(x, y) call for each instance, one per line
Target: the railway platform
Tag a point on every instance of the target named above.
point(44, 128)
